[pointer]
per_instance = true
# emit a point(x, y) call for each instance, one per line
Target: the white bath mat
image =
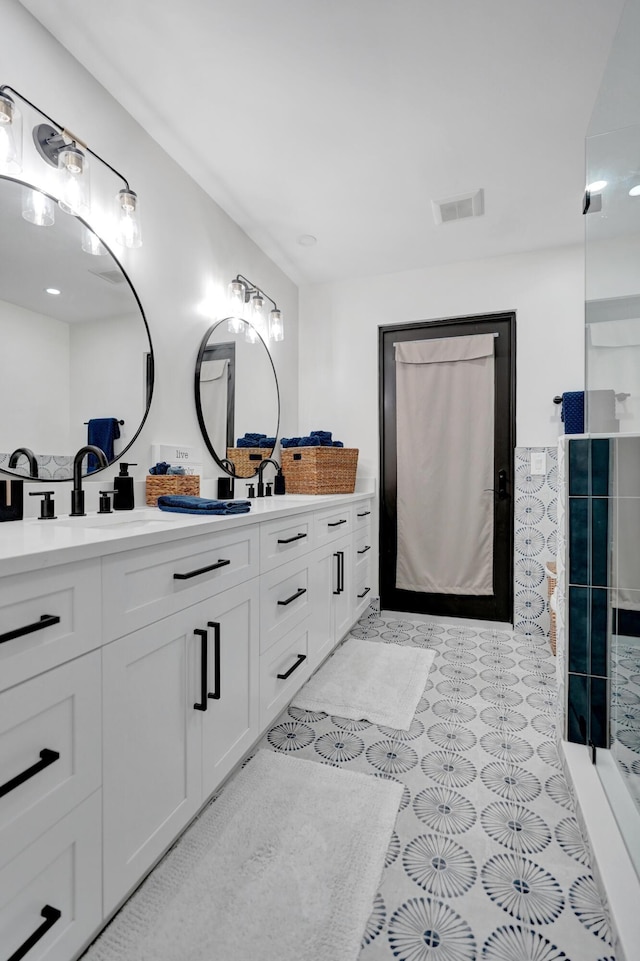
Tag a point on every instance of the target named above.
point(284, 865)
point(381, 683)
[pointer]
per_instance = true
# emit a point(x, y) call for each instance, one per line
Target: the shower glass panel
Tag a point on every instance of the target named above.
point(612, 352)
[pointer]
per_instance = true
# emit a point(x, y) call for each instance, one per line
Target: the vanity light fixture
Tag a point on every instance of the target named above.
point(60, 148)
point(53, 291)
point(241, 292)
point(635, 190)
point(91, 243)
point(597, 186)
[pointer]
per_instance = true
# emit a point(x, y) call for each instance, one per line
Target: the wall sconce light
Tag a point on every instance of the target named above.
point(63, 150)
point(241, 292)
point(37, 208)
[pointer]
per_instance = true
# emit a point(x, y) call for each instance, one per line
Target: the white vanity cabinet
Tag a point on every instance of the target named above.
point(134, 677)
point(180, 710)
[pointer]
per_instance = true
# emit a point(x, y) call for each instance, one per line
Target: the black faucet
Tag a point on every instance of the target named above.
point(77, 494)
point(31, 457)
point(267, 460)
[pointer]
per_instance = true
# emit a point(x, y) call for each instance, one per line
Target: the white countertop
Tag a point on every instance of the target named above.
point(33, 544)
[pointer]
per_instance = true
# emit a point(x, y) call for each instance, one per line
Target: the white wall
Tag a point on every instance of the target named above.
point(339, 338)
point(191, 249)
point(34, 381)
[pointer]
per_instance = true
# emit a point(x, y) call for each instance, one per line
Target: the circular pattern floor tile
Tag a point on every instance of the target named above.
point(444, 810)
point(376, 921)
point(457, 711)
point(290, 736)
point(503, 718)
point(339, 746)
point(506, 746)
point(391, 757)
point(569, 837)
point(510, 781)
point(515, 943)
point(587, 907)
point(448, 768)
point(522, 888)
point(439, 865)
point(452, 737)
point(515, 827)
point(425, 929)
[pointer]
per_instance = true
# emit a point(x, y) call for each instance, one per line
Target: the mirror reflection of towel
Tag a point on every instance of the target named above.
point(102, 432)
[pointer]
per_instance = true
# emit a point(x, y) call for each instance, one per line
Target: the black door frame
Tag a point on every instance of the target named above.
point(498, 607)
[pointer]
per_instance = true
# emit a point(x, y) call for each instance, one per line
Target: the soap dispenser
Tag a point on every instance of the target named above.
point(123, 499)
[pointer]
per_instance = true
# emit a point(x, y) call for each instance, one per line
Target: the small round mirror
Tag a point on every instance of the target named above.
point(236, 394)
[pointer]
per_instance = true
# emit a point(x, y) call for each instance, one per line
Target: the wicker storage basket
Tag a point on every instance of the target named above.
point(551, 586)
point(320, 470)
point(247, 460)
point(159, 484)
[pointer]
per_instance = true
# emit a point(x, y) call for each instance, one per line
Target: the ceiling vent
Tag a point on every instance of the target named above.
point(111, 276)
point(458, 208)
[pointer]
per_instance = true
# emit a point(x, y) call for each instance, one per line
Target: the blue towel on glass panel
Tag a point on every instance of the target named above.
point(183, 504)
point(573, 411)
point(102, 432)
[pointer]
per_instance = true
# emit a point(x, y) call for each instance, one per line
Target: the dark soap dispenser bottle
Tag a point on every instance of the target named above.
point(123, 499)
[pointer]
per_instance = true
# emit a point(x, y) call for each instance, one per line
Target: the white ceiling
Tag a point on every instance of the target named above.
point(344, 118)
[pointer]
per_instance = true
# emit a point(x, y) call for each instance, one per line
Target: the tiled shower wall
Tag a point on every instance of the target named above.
point(535, 538)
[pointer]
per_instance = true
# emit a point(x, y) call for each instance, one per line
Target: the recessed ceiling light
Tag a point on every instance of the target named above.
point(597, 186)
point(53, 290)
point(307, 240)
point(635, 191)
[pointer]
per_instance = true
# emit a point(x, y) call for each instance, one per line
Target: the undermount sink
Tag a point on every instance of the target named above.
point(115, 521)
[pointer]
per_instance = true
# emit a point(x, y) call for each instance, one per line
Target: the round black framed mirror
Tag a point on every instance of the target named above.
point(236, 393)
point(77, 358)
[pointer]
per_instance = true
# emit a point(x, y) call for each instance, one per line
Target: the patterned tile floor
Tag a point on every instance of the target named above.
point(487, 861)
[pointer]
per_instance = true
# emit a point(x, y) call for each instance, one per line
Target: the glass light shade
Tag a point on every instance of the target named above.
point(257, 312)
point(635, 191)
point(10, 136)
point(276, 326)
point(236, 306)
point(37, 208)
point(251, 334)
point(129, 233)
point(91, 244)
point(73, 181)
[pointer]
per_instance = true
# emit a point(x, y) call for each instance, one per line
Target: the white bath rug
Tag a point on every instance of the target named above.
point(284, 865)
point(381, 683)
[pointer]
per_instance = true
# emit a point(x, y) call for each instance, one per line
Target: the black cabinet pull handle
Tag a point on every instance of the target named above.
point(365, 591)
point(365, 549)
point(50, 915)
point(201, 705)
point(298, 593)
point(301, 658)
point(336, 523)
point(47, 757)
point(216, 666)
point(340, 573)
point(289, 540)
point(46, 620)
point(364, 514)
point(201, 570)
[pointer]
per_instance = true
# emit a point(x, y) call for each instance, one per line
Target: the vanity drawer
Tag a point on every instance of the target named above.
point(48, 617)
point(363, 591)
point(285, 600)
point(60, 874)
point(283, 539)
point(283, 671)
point(50, 749)
point(151, 583)
point(364, 549)
point(362, 515)
point(332, 523)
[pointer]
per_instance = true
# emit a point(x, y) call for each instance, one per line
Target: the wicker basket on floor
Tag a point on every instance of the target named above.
point(247, 460)
point(159, 484)
point(552, 580)
point(320, 470)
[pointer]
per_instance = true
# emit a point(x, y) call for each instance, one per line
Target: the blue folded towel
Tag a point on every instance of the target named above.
point(101, 432)
point(289, 441)
point(324, 436)
point(337, 443)
point(184, 504)
point(267, 442)
point(309, 442)
point(573, 411)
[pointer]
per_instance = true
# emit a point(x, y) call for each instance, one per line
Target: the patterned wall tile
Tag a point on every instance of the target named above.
point(535, 539)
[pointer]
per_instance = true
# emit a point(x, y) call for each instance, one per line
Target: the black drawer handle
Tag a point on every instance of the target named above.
point(290, 540)
point(50, 915)
point(46, 620)
point(201, 705)
point(298, 593)
point(301, 658)
point(364, 514)
point(201, 570)
point(339, 555)
point(47, 757)
point(365, 549)
point(216, 665)
point(365, 592)
point(336, 523)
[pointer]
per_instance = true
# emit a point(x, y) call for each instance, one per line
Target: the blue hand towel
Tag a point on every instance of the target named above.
point(183, 504)
point(289, 441)
point(573, 411)
point(324, 437)
point(337, 443)
point(101, 432)
point(245, 442)
point(267, 442)
point(309, 442)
